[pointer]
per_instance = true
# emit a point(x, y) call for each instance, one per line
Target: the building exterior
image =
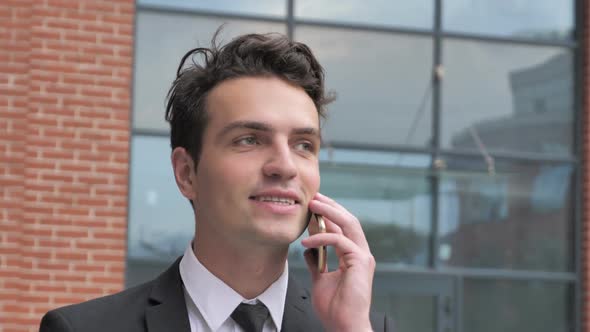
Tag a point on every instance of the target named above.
point(459, 139)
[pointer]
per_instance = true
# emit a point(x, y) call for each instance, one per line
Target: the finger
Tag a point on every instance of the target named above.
point(331, 227)
point(341, 243)
point(350, 254)
point(313, 227)
point(350, 226)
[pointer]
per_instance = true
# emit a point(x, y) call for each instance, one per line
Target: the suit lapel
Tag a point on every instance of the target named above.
point(168, 308)
point(299, 314)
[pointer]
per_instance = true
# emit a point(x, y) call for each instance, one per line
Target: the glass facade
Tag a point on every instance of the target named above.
point(452, 139)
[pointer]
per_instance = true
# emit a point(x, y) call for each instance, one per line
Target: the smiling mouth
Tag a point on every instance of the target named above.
point(275, 200)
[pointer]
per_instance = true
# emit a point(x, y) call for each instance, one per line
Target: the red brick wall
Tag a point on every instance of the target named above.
point(65, 75)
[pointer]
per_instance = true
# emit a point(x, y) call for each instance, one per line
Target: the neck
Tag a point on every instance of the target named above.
point(249, 270)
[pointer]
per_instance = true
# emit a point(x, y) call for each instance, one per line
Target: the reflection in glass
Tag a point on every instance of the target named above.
point(161, 41)
point(515, 306)
point(537, 19)
point(161, 221)
point(399, 13)
point(392, 204)
point(516, 219)
point(383, 96)
point(507, 98)
point(248, 7)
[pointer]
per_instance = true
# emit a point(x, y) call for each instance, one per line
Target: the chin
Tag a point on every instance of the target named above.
point(281, 237)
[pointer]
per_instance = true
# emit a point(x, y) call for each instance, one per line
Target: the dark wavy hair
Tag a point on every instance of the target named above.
point(255, 55)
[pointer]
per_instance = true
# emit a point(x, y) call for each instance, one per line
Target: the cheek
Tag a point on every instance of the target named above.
point(227, 177)
point(311, 178)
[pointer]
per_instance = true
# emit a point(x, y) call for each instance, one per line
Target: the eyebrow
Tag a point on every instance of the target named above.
point(261, 126)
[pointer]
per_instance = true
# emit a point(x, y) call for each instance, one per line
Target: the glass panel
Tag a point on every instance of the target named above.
point(518, 218)
point(515, 306)
point(252, 7)
point(411, 300)
point(161, 221)
point(409, 14)
point(538, 19)
point(384, 94)
point(503, 97)
point(162, 39)
point(392, 204)
point(409, 312)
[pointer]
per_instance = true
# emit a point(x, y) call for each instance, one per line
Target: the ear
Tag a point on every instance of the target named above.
point(184, 172)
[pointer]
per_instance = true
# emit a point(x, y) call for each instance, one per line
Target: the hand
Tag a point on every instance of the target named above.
point(341, 298)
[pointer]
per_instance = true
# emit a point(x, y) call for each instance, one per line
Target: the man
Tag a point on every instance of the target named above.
point(245, 134)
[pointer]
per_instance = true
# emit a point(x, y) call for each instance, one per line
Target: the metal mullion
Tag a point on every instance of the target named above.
point(150, 132)
point(480, 273)
point(363, 27)
point(209, 13)
point(510, 156)
point(290, 18)
point(459, 286)
point(435, 139)
point(378, 147)
point(509, 40)
point(497, 274)
point(132, 88)
point(580, 15)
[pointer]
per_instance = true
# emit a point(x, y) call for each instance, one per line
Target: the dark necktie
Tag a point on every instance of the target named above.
point(250, 317)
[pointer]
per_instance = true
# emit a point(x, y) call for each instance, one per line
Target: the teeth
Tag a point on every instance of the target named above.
point(280, 200)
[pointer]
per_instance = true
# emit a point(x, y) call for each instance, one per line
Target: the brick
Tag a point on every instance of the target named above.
point(72, 211)
point(78, 79)
point(90, 268)
point(96, 92)
point(98, 27)
point(65, 300)
point(74, 189)
point(50, 288)
point(70, 278)
point(108, 257)
point(92, 180)
point(95, 50)
point(64, 4)
point(62, 24)
point(106, 280)
point(87, 290)
point(119, 20)
point(71, 256)
point(79, 168)
point(108, 235)
point(60, 89)
point(60, 266)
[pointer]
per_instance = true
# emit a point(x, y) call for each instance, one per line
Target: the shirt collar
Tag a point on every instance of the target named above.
point(216, 300)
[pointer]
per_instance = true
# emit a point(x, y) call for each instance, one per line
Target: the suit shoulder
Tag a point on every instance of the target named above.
point(124, 309)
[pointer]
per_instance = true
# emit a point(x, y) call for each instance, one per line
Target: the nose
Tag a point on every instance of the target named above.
point(280, 163)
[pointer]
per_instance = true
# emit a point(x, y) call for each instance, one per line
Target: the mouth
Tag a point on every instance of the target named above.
point(286, 201)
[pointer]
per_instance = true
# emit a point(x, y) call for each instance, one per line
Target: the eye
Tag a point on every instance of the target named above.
point(247, 140)
point(305, 146)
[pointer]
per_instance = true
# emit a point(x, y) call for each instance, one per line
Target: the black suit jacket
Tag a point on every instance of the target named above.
point(159, 306)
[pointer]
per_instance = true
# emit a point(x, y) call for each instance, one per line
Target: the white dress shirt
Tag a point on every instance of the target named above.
point(210, 302)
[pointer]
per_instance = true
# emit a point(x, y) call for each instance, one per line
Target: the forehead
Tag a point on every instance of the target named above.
point(266, 99)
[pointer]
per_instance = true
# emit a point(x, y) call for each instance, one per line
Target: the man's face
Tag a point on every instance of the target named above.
point(258, 167)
